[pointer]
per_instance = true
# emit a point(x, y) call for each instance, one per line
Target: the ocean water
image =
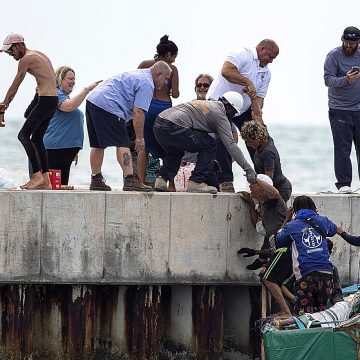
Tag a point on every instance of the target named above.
point(306, 154)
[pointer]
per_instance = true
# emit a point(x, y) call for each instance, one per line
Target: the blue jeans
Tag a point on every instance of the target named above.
point(175, 140)
point(345, 127)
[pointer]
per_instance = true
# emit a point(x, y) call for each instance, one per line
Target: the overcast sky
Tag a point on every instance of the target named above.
point(102, 38)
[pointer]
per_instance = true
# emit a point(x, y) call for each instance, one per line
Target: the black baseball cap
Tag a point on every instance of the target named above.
point(351, 33)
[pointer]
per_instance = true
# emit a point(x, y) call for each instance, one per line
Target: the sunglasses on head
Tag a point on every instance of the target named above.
point(199, 85)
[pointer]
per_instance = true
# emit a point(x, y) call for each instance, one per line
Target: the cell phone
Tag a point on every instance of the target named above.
point(355, 69)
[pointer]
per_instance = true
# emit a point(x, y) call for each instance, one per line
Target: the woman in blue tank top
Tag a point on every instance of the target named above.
point(166, 51)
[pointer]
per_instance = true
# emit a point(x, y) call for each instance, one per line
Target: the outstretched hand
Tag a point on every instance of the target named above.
point(247, 252)
point(339, 230)
point(93, 85)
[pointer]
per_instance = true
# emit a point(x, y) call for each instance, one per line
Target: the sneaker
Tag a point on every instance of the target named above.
point(160, 184)
point(133, 183)
point(345, 190)
point(99, 183)
point(227, 186)
point(194, 187)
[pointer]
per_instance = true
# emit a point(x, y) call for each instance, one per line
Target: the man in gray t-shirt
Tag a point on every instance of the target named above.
point(186, 127)
point(341, 75)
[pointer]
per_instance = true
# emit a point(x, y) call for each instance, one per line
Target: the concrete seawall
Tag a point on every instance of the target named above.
point(139, 238)
point(91, 273)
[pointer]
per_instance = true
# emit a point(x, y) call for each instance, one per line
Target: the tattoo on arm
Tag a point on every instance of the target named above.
point(127, 160)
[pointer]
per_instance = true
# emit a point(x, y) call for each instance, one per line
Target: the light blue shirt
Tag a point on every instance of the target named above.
point(121, 93)
point(66, 129)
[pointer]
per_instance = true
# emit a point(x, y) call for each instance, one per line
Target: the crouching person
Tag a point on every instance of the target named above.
point(186, 127)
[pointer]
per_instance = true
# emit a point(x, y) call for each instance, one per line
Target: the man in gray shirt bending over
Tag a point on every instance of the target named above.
point(186, 127)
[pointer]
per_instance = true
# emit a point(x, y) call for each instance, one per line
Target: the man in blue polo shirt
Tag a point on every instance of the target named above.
point(117, 100)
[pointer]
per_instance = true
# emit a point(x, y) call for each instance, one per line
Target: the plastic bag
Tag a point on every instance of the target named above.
point(182, 177)
point(5, 181)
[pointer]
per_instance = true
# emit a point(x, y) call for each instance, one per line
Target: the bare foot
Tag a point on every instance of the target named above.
point(36, 182)
point(282, 315)
point(47, 183)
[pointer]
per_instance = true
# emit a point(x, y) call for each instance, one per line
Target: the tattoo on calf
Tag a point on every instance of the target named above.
point(127, 160)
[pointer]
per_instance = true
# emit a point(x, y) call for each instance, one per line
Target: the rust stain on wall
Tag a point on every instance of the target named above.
point(207, 317)
point(141, 321)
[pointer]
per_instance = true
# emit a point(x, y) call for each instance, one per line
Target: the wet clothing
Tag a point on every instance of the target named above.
point(151, 144)
point(267, 158)
point(105, 129)
point(312, 292)
point(31, 135)
point(309, 249)
point(279, 266)
point(344, 112)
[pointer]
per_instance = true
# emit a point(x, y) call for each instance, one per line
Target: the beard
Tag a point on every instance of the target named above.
point(349, 51)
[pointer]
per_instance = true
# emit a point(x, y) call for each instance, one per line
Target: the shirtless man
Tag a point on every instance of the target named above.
point(31, 135)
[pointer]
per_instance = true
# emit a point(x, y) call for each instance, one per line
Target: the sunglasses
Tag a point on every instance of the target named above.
point(199, 85)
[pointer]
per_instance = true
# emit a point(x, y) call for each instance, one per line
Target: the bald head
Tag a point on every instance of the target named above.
point(161, 73)
point(267, 50)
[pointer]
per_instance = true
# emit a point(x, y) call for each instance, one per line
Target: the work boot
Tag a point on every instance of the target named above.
point(194, 187)
point(99, 183)
point(133, 183)
point(227, 186)
point(160, 184)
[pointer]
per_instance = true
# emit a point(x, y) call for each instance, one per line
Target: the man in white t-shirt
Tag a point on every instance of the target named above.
point(245, 71)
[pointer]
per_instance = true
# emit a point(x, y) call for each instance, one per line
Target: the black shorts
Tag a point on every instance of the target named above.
point(105, 129)
point(279, 268)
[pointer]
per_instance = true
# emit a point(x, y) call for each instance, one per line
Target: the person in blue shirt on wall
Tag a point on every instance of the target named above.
point(310, 255)
point(64, 136)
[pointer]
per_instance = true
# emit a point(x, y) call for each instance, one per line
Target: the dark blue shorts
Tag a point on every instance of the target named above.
point(105, 129)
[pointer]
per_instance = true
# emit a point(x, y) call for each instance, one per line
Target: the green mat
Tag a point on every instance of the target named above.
point(312, 344)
